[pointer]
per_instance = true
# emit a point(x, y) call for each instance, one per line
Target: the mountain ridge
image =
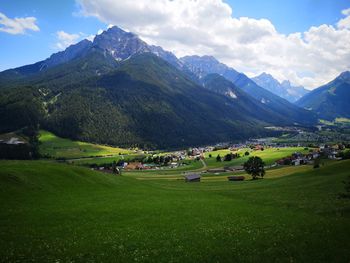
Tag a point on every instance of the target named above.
point(201, 66)
point(330, 100)
point(283, 89)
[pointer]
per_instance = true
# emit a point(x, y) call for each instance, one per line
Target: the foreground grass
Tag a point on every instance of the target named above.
point(61, 213)
point(57, 147)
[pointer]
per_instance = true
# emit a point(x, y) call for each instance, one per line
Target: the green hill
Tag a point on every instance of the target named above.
point(61, 213)
point(56, 147)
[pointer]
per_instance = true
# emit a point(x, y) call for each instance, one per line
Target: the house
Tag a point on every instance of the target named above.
point(235, 168)
point(296, 162)
point(134, 166)
point(315, 155)
point(259, 147)
point(14, 141)
point(332, 155)
point(173, 165)
point(216, 170)
point(192, 178)
point(235, 178)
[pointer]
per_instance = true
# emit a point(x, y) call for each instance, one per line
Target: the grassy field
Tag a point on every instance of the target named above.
point(270, 173)
point(57, 147)
point(53, 212)
point(106, 159)
point(269, 155)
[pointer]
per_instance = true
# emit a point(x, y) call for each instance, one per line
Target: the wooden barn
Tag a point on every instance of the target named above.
point(192, 178)
point(235, 178)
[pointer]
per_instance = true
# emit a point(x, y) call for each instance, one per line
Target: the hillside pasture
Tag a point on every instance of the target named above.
point(56, 147)
point(64, 213)
point(269, 155)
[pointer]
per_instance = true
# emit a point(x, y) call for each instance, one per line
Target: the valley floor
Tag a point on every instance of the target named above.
point(52, 212)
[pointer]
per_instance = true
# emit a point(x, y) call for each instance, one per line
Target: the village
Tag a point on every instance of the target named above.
point(226, 158)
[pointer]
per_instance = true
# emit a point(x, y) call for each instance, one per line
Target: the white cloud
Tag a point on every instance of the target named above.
point(65, 39)
point(346, 12)
point(345, 22)
point(17, 25)
point(207, 27)
point(90, 37)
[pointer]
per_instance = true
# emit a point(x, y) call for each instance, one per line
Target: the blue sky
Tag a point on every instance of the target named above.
point(54, 16)
point(290, 16)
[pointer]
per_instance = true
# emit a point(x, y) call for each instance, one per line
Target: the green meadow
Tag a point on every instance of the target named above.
point(52, 212)
point(56, 147)
point(269, 155)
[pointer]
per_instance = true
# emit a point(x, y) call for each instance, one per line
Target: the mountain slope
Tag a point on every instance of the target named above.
point(284, 90)
point(247, 104)
point(143, 101)
point(168, 109)
point(201, 66)
point(20, 73)
point(331, 100)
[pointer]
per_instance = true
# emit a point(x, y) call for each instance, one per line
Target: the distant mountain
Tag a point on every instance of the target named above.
point(246, 103)
point(145, 101)
point(121, 91)
point(284, 90)
point(122, 45)
point(202, 66)
point(331, 100)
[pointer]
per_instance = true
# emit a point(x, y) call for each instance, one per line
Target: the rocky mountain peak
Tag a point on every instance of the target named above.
point(119, 43)
point(344, 76)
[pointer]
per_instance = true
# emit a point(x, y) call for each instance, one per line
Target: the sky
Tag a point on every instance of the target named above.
point(304, 41)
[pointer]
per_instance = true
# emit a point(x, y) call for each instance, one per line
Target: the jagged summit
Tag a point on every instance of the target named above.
point(283, 89)
point(119, 43)
point(344, 76)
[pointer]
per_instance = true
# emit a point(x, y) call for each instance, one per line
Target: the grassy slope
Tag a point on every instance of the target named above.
point(58, 147)
point(269, 155)
point(172, 175)
point(55, 212)
point(106, 159)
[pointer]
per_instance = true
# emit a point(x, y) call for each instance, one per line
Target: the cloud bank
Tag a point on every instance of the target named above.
point(17, 25)
point(65, 39)
point(207, 27)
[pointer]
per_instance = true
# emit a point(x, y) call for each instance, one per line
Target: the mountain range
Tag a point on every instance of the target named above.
point(201, 66)
point(119, 90)
point(331, 100)
point(283, 89)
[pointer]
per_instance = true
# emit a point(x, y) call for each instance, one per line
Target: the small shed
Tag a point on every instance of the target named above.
point(216, 170)
point(235, 168)
point(192, 178)
point(235, 178)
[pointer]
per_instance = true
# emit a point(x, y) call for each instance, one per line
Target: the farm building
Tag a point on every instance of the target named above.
point(216, 170)
point(235, 168)
point(235, 178)
point(192, 178)
point(134, 166)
